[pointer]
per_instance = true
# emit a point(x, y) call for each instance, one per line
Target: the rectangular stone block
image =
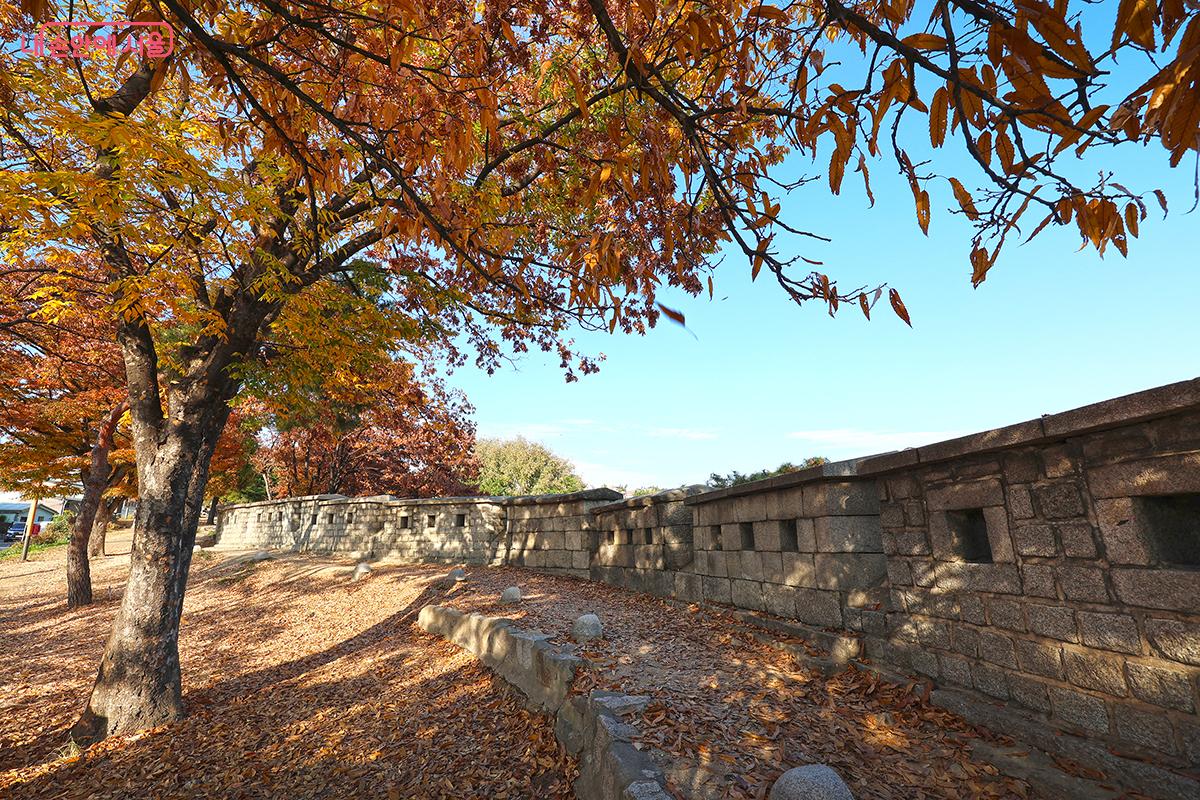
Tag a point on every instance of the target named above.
point(1055, 622)
point(799, 570)
point(997, 649)
point(990, 680)
point(1144, 728)
point(717, 590)
point(974, 494)
point(1020, 504)
point(748, 594)
point(1083, 584)
point(1116, 632)
point(1029, 693)
point(819, 608)
point(1089, 670)
point(1174, 640)
point(1169, 688)
point(849, 570)
point(1084, 711)
point(784, 503)
point(1040, 658)
point(1171, 474)
point(1038, 580)
point(769, 535)
point(772, 567)
point(688, 587)
point(839, 498)
point(749, 566)
point(955, 670)
point(780, 600)
point(1172, 589)
point(848, 534)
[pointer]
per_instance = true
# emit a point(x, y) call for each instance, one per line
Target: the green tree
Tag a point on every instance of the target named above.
point(519, 466)
point(718, 481)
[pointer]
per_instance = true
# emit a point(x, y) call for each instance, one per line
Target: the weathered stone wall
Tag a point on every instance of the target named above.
point(1052, 566)
point(645, 544)
point(805, 546)
point(554, 533)
point(1050, 569)
point(445, 529)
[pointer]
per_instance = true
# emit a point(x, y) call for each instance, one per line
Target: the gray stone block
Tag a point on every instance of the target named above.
point(1078, 539)
point(1097, 672)
point(1144, 728)
point(955, 670)
point(1085, 584)
point(1020, 505)
point(1169, 688)
point(990, 680)
point(799, 570)
point(749, 566)
point(1172, 589)
point(748, 594)
point(972, 494)
point(1055, 622)
point(1175, 640)
point(717, 590)
point(997, 649)
point(1081, 710)
point(1005, 613)
point(818, 608)
point(849, 570)
point(1117, 632)
point(1035, 540)
point(1040, 658)
point(1059, 500)
point(772, 567)
point(780, 600)
point(842, 497)
point(1029, 693)
point(848, 534)
point(1038, 580)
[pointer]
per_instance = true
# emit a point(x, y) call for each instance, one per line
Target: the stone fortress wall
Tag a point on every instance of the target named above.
point(1047, 571)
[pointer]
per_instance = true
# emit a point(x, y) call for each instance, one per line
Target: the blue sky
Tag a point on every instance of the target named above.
point(755, 380)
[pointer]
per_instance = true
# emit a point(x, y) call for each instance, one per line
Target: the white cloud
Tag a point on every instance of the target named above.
point(681, 433)
point(857, 442)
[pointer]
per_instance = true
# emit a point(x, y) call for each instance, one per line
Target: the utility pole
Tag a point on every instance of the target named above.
point(33, 508)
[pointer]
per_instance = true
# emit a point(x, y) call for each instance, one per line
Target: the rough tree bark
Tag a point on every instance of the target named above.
point(95, 481)
point(138, 684)
point(104, 515)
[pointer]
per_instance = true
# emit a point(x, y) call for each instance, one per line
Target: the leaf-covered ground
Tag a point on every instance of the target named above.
point(301, 683)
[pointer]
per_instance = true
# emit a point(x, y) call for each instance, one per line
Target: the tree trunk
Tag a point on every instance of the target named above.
point(28, 537)
point(95, 481)
point(138, 684)
point(104, 515)
point(212, 512)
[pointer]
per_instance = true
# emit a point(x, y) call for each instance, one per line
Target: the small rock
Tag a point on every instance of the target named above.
point(511, 595)
point(261, 555)
point(810, 782)
point(361, 571)
point(458, 574)
point(587, 628)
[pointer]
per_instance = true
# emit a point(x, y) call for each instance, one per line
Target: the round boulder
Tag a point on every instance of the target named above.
point(457, 574)
point(810, 782)
point(511, 595)
point(361, 571)
point(587, 628)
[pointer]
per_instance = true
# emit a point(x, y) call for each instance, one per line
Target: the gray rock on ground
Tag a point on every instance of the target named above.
point(511, 595)
point(810, 782)
point(458, 574)
point(586, 628)
point(361, 571)
point(261, 555)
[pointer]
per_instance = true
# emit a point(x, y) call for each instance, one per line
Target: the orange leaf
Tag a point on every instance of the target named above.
point(898, 306)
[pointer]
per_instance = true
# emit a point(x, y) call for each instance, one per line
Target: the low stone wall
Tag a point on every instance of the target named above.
point(1049, 570)
point(610, 767)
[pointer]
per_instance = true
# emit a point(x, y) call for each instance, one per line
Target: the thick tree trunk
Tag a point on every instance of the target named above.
point(95, 481)
point(104, 515)
point(138, 684)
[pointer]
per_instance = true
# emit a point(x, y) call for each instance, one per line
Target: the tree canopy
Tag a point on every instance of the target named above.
point(519, 466)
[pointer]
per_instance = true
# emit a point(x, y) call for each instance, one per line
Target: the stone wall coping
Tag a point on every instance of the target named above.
point(392, 500)
point(821, 472)
point(1125, 410)
point(647, 500)
point(585, 494)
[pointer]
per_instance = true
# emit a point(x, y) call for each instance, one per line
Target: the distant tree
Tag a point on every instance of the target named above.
point(645, 490)
point(519, 466)
point(718, 481)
